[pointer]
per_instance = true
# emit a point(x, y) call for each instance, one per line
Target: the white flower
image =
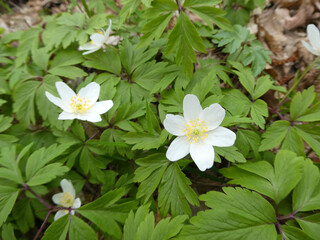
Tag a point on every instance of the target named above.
point(197, 132)
point(99, 39)
point(314, 38)
point(83, 106)
point(66, 199)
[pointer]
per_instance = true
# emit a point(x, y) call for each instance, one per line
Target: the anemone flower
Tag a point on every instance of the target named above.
point(83, 106)
point(197, 131)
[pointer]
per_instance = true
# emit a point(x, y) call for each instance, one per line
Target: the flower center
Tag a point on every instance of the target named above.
point(196, 131)
point(66, 200)
point(80, 104)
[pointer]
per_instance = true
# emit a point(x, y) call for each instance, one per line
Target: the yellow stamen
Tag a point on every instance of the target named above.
point(197, 131)
point(80, 104)
point(67, 200)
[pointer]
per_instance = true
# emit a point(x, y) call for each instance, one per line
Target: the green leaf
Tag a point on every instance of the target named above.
point(310, 138)
point(108, 60)
point(80, 230)
point(5, 122)
point(230, 153)
point(256, 55)
point(133, 222)
point(47, 173)
point(128, 7)
point(188, 3)
point(263, 85)
point(306, 195)
point(10, 166)
point(183, 38)
point(245, 75)
point(58, 229)
point(8, 197)
point(8, 232)
point(29, 41)
point(23, 105)
point(312, 114)
point(275, 183)
point(294, 233)
point(236, 214)
point(301, 101)
point(154, 29)
point(259, 110)
point(149, 174)
point(140, 226)
point(174, 180)
point(145, 141)
point(274, 135)
point(100, 212)
point(310, 225)
point(40, 57)
point(74, 19)
point(68, 72)
point(38, 159)
point(293, 142)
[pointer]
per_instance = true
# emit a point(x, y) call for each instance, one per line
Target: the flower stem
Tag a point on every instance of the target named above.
point(43, 224)
point(27, 188)
point(86, 8)
point(179, 4)
point(298, 80)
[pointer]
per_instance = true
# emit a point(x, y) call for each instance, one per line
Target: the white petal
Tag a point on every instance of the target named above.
point(175, 124)
point(89, 46)
point(60, 214)
point(202, 155)
point(91, 117)
point(91, 92)
point(221, 137)
point(56, 198)
point(314, 36)
point(107, 32)
point(67, 116)
point(178, 149)
point(54, 100)
point(212, 116)
point(191, 107)
point(98, 39)
point(76, 203)
point(91, 51)
point(310, 49)
point(101, 107)
point(67, 186)
point(65, 92)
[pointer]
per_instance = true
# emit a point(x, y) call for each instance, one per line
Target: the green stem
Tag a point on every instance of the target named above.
point(86, 8)
point(298, 80)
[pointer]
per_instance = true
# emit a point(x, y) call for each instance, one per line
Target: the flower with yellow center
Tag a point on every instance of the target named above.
point(66, 199)
point(197, 132)
point(83, 106)
point(99, 39)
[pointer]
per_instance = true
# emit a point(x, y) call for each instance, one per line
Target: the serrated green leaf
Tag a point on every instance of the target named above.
point(58, 229)
point(237, 214)
point(174, 180)
point(100, 214)
point(263, 85)
point(5, 122)
point(274, 135)
point(311, 139)
point(40, 57)
point(301, 101)
point(47, 173)
point(293, 142)
point(29, 41)
point(8, 196)
point(23, 105)
point(259, 110)
point(76, 19)
point(68, 72)
point(108, 61)
point(154, 29)
point(80, 230)
point(8, 232)
point(230, 153)
point(306, 195)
